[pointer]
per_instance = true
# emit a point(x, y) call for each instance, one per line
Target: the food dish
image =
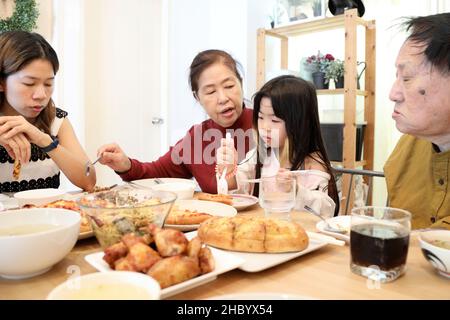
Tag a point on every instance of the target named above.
point(148, 183)
point(222, 198)
point(434, 248)
point(340, 222)
point(224, 262)
point(255, 262)
point(260, 296)
point(253, 234)
point(212, 208)
point(243, 201)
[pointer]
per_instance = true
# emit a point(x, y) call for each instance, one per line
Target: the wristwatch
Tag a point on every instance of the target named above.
point(52, 145)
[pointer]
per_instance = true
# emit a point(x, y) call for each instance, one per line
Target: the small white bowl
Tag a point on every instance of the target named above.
point(184, 191)
point(437, 256)
point(38, 197)
point(43, 237)
point(112, 285)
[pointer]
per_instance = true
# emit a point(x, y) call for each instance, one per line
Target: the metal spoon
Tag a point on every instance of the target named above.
point(87, 168)
point(327, 227)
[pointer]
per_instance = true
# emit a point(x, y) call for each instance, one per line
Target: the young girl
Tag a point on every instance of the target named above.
point(286, 121)
point(36, 138)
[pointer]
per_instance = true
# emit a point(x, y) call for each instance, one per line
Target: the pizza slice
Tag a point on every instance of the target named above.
point(184, 217)
point(16, 170)
point(85, 226)
point(222, 198)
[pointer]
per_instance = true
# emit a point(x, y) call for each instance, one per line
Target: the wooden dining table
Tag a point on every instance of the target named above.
point(321, 274)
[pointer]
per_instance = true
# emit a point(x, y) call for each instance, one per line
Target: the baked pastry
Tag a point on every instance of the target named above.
point(85, 226)
point(16, 169)
point(222, 198)
point(184, 217)
point(253, 234)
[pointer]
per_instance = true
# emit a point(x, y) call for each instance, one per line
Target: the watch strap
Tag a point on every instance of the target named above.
point(52, 145)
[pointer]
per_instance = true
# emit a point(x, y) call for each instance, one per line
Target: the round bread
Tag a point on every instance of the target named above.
point(253, 234)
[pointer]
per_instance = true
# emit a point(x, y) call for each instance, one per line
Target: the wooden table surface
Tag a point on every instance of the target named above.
point(322, 274)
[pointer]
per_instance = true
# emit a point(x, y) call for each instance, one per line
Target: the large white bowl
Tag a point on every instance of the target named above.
point(112, 285)
point(183, 190)
point(28, 255)
point(437, 256)
point(38, 197)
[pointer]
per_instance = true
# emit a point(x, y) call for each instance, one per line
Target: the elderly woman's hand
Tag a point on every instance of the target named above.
point(114, 157)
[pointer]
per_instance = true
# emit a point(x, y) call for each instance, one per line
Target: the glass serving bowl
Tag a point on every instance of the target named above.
point(123, 210)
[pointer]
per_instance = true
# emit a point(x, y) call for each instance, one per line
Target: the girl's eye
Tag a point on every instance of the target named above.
point(260, 118)
point(28, 84)
point(49, 85)
point(230, 87)
point(276, 121)
point(210, 92)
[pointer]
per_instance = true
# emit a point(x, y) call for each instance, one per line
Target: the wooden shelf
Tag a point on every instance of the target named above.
point(313, 26)
point(349, 21)
point(340, 91)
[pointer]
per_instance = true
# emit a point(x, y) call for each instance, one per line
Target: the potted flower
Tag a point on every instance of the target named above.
point(335, 71)
point(317, 65)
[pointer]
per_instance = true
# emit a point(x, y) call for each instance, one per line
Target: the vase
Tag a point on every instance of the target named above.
point(339, 83)
point(319, 80)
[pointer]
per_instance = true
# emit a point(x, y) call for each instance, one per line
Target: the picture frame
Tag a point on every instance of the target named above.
point(288, 12)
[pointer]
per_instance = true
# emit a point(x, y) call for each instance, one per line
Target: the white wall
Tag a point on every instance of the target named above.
point(194, 26)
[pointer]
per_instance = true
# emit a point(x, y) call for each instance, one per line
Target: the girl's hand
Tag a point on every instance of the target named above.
point(114, 157)
point(226, 156)
point(13, 125)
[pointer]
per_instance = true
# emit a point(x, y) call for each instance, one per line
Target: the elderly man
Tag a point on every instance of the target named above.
point(418, 170)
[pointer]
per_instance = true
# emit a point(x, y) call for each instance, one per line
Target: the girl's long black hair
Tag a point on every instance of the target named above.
point(294, 100)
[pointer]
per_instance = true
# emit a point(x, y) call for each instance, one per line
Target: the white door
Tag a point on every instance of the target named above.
point(123, 74)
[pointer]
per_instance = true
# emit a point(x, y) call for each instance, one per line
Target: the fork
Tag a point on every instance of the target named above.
point(87, 167)
point(328, 227)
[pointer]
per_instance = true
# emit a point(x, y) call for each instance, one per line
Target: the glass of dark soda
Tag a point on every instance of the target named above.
point(379, 240)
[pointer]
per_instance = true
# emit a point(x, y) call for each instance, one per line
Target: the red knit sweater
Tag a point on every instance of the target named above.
point(195, 154)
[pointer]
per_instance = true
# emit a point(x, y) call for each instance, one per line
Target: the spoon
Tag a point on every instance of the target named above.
point(87, 169)
point(327, 227)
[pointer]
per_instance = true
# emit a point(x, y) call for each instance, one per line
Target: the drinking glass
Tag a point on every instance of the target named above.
point(277, 196)
point(379, 240)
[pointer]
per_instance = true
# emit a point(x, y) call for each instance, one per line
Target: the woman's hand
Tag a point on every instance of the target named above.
point(17, 146)
point(114, 157)
point(226, 156)
point(14, 125)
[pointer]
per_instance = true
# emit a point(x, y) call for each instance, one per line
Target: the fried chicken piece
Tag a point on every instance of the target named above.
point(173, 270)
point(193, 248)
point(142, 257)
point(114, 253)
point(170, 242)
point(206, 260)
point(123, 264)
point(130, 239)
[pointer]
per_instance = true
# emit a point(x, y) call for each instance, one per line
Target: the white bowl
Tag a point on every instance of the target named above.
point(112, 285)
point(437, 256)
point(27, 255)
point(38, 197)
point(184, 191)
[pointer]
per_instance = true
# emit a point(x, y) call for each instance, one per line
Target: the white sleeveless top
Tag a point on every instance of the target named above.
point(41, 172)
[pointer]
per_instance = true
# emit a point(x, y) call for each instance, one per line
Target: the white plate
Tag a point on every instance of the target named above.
point(148, 183)
point(85, 235)
point(255, 262)
point(210, 207)
point(260, 296)
point(243, 201)
point(224, 262)
point(340, 222)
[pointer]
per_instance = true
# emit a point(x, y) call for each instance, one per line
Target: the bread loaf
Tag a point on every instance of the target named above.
point(253, 234)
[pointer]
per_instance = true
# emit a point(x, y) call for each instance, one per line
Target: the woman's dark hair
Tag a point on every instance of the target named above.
point(17, 50)
point(294, 101)
point(433, 32)
point(207, 58)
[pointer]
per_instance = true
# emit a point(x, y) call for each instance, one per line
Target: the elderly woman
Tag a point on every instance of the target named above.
point(217, 85)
